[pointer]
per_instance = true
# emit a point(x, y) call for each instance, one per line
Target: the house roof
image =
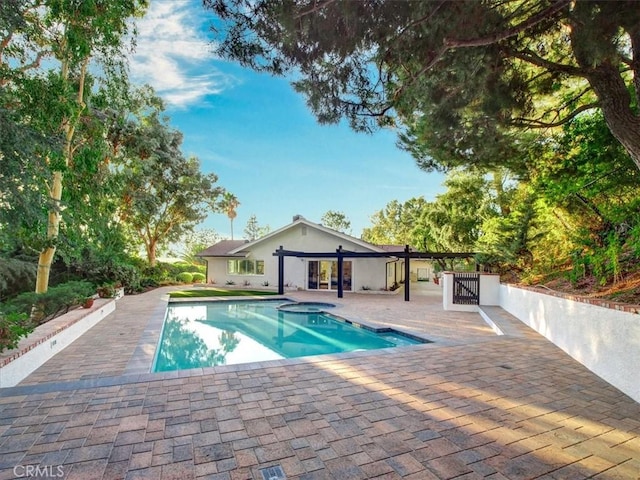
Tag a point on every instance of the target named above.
point(238, 248)
point(299, 220)
point(222, 249)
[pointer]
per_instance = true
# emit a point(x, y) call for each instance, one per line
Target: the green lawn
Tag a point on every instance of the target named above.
point(218, 292)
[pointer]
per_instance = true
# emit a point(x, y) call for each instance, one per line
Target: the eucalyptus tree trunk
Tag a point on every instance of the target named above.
point(47, 255)
point(53, 227)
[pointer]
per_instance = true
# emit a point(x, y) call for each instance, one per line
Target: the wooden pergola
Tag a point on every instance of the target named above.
point(340, 254)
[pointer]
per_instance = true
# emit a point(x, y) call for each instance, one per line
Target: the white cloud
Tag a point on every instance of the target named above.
point(174, 55)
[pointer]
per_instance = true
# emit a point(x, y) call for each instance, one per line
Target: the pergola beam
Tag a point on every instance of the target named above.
point(341, 254)
point(348, 254)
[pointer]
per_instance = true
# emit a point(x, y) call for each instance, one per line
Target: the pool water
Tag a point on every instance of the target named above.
point(225, 333)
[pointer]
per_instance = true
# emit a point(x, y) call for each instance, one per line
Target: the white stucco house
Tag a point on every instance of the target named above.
point(240, 262)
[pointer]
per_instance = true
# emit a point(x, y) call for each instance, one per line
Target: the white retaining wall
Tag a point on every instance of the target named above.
point(20, 367)
point(605, 340)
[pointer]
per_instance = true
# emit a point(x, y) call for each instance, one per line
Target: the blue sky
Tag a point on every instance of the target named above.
point(259, 137)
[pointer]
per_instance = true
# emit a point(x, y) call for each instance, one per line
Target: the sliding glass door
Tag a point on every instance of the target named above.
point(323, 275)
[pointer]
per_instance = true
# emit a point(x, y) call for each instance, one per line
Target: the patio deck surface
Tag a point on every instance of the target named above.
point(471, 405)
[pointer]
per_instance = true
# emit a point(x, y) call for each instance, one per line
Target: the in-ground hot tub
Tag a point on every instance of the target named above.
point(305, 307)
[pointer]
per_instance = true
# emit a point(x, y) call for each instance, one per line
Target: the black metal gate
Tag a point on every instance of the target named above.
point(466, 289)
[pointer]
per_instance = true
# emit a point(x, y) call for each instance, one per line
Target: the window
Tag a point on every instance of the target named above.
point(245, 267)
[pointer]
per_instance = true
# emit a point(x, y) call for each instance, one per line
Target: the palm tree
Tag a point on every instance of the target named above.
point(228, 205)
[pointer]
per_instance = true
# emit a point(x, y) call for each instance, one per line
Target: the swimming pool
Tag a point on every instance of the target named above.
point(203, 334)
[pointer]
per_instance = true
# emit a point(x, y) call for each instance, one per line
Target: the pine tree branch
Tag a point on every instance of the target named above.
point(534, 123)
point(510, 32)
point(418, 21)
point(533, 58)
point(317, 7)
point(435, 58)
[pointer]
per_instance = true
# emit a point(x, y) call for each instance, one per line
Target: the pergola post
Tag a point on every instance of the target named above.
point(407, 273)
point(280, 253)
point(340, 271)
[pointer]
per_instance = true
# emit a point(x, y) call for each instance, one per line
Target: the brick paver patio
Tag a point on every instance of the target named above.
point(471, 405)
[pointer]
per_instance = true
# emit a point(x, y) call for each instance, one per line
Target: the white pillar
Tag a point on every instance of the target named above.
point(489, 292)
point(489, 289)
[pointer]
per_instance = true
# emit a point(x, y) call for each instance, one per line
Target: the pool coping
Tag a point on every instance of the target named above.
point(371, 326)
point(139, 366)
point(140, 363)
point(133, 378)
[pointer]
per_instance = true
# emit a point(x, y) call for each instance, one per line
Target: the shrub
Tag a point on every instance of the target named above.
point(159, 272)
point(108, 290)
point(127, 276)
point(16, 276)
point(200, 268)
point(148, 282)
point(122, 271)
point(42, 307)
point(198, 277)
point(184, 277)
point(13, 326)
point(168, 272)
point(179, 267)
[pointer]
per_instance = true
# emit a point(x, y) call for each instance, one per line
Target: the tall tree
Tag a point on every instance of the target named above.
point(71, 35)
point(398, 224)
point(455, 217)
point(590, 175)
point(25, 174)
point(164, 193)
point(457, 67)
point(336, 220)
point(253, 230)
point(593, 185)
point(196, 242)
point(228, 204)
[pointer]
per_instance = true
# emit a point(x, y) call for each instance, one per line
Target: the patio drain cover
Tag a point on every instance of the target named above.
point(273, 473)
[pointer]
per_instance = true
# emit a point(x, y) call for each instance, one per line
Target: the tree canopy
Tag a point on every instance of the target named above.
point(91, 167)
point(253, 230)
point(52, 100)
point(229, 204)
point(337, 221)
point(164, 194)
point(456, 74)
